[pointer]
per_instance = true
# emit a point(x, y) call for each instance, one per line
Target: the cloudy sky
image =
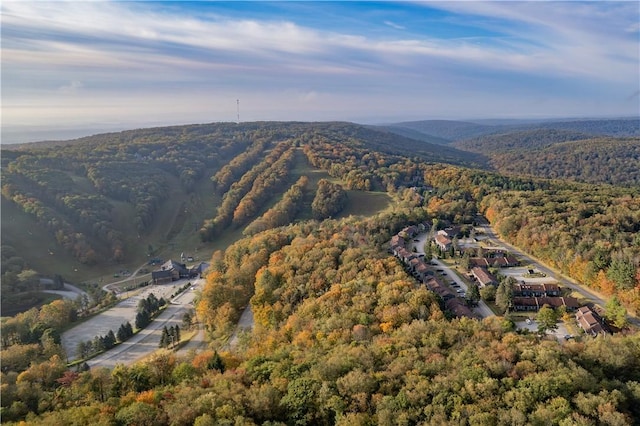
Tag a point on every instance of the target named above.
point(108, 65)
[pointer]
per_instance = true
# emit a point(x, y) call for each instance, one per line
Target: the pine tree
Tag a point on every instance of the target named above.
point(164, 338)
point(122, 333)
point(128, 329)
point(175, 334)
point(503, 296)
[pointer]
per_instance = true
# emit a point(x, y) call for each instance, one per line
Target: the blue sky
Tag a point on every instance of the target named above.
point(103, 65)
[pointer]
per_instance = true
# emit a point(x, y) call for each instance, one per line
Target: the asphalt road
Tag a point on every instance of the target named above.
point(482, 307)
point(563, 280)
point(543, 268)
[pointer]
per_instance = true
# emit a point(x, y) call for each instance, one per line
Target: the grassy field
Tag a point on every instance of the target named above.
point(365, 203)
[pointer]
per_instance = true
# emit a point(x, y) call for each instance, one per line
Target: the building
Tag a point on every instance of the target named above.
point(591, 322)
point(536, 290)
point(444, 243)
point(483, 276)
point(170, 271)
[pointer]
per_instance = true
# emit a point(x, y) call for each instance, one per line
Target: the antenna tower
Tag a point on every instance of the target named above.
point(238, 108)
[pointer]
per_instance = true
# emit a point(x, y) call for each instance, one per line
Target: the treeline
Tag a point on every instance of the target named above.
point(34, 335)
point(230, 280)
point(283, 212)
point(330, 199)
point(239, 165)
point(523, 141)
point(245, 196)
point(147, 309)
point(263, 188)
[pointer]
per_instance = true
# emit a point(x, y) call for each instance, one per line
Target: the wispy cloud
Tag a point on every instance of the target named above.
point(394, 25)
point(123, 59)
point(71, 88)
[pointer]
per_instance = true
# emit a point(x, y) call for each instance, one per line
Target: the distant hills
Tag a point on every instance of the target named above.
point(458, 130)
point(594, 151)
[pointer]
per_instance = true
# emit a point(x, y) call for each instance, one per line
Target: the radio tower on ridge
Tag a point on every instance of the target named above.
point(238, 107)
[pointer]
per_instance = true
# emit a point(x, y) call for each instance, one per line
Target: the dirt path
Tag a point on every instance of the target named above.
point(245, 324)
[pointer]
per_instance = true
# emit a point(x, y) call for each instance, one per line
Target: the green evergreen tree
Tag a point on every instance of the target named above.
point(164, 338)
point(473, 294)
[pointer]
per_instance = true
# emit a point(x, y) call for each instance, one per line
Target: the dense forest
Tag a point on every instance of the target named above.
point(604, 160)
point(594, 151)
point(460, 130)
point(342, 334)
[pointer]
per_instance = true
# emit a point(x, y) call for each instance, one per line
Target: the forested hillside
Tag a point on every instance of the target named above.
point(343, 334)
point(446, 129)
point(524, 141)
point(603, 160)
point(567, 150)
point(107, 202)
point(460, 130)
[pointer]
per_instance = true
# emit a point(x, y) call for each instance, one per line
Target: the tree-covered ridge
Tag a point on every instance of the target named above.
point(71, 189)
point(284, 211)
point(460, 130)
point(450, 130)
point(524, 141)
point(76, 189)
point(605, 160)
point(356, 136)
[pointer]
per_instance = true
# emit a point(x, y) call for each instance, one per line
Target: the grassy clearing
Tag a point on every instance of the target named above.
point(365, 203)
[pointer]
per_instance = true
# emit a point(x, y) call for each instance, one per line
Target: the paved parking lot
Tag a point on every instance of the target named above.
point(559, 333)
point(111, 319)
point(519, 272)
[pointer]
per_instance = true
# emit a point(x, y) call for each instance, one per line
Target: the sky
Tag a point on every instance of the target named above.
point(79, 67)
